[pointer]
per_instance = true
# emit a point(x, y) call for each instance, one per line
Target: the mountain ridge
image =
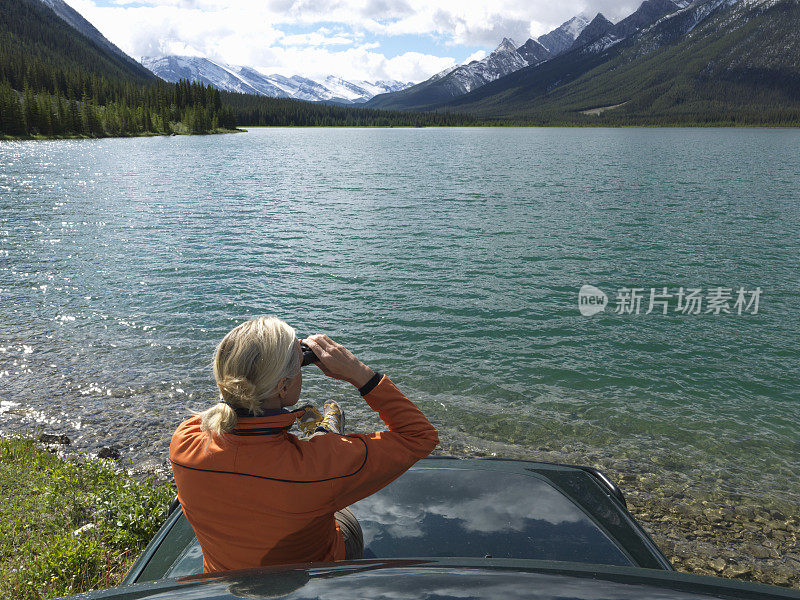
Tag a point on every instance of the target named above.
point(461, 79)
point(244, 79)
point(597, 28)
point(713, 61)
point(561, 38)
point(647, 14)
point(593, 37)
point(80, 24)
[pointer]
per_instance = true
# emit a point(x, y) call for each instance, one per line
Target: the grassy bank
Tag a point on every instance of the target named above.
point(70, 525)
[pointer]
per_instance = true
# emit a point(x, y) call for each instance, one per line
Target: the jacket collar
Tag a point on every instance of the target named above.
point(270, 423)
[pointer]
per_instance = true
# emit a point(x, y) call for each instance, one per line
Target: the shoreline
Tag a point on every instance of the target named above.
point(76, 523)
point(44, 138)
point(497, 125)
point(723, 535)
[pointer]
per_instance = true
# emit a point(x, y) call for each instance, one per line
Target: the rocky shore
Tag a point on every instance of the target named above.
point(717, 536)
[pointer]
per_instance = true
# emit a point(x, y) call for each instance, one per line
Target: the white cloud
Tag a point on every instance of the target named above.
point(480, 54)
point(360, 63)
point(343, 37)
point(316, 39)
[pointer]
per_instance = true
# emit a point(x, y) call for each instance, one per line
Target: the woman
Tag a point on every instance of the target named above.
point(257, 495)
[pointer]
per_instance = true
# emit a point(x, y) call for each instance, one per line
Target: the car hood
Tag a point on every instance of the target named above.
point(402, 579)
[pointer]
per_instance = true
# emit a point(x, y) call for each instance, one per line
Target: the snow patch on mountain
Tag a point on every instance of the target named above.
point(674, 26)
point(562, 37)
point(601, 34)
point(247, 80)
point(534, 52)
point(443, 73)
point(603, 44)
point(461, 79)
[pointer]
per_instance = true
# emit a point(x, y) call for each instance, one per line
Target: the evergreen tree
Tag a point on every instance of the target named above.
point(12, 118)
point(31, 109)
point(75, 123)
point(60, 122)
point(94, 126)
point(44, 110)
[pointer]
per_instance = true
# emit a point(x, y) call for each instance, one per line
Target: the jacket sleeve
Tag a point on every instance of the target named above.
point(387, 454)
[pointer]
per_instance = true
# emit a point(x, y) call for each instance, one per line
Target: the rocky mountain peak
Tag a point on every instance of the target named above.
point(597, 28)
point(507, 45)
point(561, 38)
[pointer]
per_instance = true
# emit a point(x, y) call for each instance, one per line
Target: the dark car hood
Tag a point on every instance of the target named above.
point(447, 578)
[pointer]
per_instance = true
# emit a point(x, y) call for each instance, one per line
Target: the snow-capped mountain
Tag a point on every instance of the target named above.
point(561, 38)
point(503, 60)
point(720, 61)
point(360, 90)
point(443, 73)
point(597, 28)
point(233, 78)
point(673, 27)
point(601, 33)
point(533, 52)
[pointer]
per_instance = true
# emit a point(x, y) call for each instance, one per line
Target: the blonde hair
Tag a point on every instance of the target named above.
point(250, 363)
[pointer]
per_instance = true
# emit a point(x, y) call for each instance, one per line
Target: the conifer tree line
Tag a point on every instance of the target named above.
point(102, 109)
point(153, 109)
point(252, 110)
point(54, 81)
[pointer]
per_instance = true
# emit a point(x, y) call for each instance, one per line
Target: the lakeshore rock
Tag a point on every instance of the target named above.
point(109, 452)
point(718, 565)
point(49, 438)
point(151, 468)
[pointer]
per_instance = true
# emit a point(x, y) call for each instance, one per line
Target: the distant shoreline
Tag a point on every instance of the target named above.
point(42, 138)
point(245, 128)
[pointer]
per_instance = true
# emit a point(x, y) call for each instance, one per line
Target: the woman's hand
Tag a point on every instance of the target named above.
point(338, 362)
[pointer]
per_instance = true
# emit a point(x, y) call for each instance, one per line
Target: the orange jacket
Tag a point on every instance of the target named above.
point(262, 496)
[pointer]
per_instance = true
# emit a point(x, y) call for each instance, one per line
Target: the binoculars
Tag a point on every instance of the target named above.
point(308, 355)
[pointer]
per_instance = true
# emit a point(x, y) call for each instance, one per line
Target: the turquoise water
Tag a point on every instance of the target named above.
point(450, 259)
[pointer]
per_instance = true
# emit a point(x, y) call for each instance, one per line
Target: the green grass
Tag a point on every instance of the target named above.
point(46, 498)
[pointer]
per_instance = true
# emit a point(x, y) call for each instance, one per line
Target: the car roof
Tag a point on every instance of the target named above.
point(470, 508)
point(412, 579)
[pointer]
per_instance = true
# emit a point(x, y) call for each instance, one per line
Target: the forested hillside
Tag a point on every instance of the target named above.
point(55, 81)
point(714, 62)
point(265, 111)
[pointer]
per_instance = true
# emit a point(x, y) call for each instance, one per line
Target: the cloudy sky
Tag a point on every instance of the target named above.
point(407, 40)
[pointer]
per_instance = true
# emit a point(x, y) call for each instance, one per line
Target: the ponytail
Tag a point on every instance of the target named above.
point(219, 419)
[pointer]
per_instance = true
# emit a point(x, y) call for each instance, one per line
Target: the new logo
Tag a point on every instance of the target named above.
point(591, 300)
